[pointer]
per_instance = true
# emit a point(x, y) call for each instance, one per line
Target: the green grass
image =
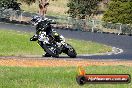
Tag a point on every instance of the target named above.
point(56, 77)
point(15, 43)
point(88, 47)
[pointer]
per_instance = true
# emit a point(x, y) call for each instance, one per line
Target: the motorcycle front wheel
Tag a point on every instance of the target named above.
point(51, 50)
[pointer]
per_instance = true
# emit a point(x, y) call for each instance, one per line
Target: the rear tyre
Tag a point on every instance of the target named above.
point(46, 55)
point(70, 51)
point(71, 54)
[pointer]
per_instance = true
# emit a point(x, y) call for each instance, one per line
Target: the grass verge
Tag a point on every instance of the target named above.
point(16, 43)
point(56, 77)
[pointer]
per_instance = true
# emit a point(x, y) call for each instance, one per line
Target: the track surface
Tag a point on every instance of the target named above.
point(121, 41)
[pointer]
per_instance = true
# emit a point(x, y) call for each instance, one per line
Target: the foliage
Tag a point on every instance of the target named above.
point(10, 4)
point(29, 2)
point(82, 8)
point(119, 11)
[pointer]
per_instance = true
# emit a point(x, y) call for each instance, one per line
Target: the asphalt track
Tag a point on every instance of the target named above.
point(123, 42)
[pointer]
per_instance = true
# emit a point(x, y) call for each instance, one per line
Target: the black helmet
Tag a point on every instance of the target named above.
point(36, 19)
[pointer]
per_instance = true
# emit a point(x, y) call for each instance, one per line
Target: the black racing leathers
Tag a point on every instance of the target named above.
point(43, 26)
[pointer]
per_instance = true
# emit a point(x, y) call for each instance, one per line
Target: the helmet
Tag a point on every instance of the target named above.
point(36, 19)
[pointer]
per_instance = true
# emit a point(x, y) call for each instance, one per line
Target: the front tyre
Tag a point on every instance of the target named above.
point(53, 51)
point(49, 49)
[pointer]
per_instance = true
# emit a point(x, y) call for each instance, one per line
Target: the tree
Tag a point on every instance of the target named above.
point(10, 4)
point(82, 8)
point(119, 11)
point(29, 2)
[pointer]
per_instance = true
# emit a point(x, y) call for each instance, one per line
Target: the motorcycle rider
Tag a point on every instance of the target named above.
point(42, 24)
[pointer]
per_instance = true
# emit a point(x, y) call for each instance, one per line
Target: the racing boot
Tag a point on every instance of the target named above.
point(34, 38)
point(46, 55)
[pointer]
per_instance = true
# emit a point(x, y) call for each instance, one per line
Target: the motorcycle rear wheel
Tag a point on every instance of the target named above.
point(70, 51)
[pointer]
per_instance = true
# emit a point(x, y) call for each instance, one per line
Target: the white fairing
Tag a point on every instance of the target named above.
point(43, 38)
point(63, 39)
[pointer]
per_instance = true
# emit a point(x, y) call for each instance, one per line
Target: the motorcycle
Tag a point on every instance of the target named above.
point(54, 44)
